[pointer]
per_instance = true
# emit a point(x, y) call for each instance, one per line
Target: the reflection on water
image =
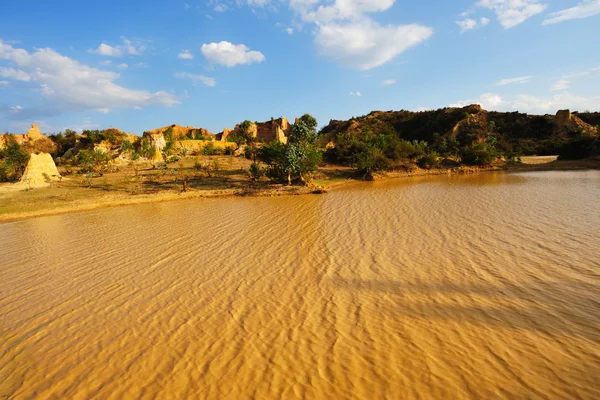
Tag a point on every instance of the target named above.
point(483, 286)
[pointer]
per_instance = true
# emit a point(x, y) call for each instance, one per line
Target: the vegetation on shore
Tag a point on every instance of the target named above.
point(104, 167)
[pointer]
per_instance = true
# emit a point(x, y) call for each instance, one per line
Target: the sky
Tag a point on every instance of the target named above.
point(142, 64)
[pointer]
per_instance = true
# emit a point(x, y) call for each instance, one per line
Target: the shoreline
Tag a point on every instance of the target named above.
point(338, 178)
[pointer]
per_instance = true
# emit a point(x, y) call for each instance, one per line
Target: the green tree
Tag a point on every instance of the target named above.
point(13, 159)
point(93, 162)
point(302, 155)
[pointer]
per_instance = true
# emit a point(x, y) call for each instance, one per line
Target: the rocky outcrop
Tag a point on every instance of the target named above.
point(180, 133)
point(33, 141)
point(34, 133)
point(41, 171)
point(568, 125)
point(270, 131)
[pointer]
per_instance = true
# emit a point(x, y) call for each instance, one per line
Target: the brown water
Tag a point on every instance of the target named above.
point(485, 286)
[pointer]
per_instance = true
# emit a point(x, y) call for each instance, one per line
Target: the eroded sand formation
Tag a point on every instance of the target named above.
point(40, 172)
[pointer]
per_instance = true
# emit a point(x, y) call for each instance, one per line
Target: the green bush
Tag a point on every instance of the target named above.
point(478, 154)
point(210, 149)
point(93, 162)
point(371, 159)
point(126, 146)
point(14, 159)
point(256, 171)
point(580, 147)
point(429, 160)
point(3, 172)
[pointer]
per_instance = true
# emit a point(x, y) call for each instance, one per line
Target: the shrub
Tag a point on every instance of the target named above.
point(578, 148)
point(256, 171)
point(126, 146)
point(429, 160)
point(13, 158)
point(478, 154)
point(371, 159)
point(3, 172)
point(209, 149)
point(93, 162)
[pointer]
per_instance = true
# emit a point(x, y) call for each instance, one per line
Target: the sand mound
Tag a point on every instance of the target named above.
point(40, 172)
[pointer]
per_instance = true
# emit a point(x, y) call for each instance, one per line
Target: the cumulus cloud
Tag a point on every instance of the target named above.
point(345, 32)
point(466, 24)
point(388, 82)
point(534, 104)
point(196, 78)
point(364, 44)
point(126, 48)
point(585, 9)
point(510, 81)
point(511, 13)
point(67, 85)
point(488, 101)
point(14, 74)
point(185, 55)
point(230, 55)
point(354, 94)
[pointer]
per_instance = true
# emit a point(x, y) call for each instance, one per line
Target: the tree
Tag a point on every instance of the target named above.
point(93, 162)
point(301, 155)
point(246, 137)
point(13, 159)
point(298, 157)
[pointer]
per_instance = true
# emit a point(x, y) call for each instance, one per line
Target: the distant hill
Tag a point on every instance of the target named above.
point(513, 133)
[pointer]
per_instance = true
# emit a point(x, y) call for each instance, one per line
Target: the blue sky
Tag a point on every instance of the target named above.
point(138, 65)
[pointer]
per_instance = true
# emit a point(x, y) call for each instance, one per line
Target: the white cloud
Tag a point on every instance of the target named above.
point(185, 55)
point(290, 31)
point(343, 30)
point(565, 81)
point(127, 48)
point(585, 9)
point(205, 80)
point(123, 66)
point(344, 10)
point(595, 72)
point(67, 85)
point(510, 81)
point(533, 104)
point(511, 13)
point(365, 44)
point(561, 85)
point(488, 101)
point(470, 24)
point(230, 55)
point(388, 82)
point(15, 74)
point(186, 6)
point(16, 109)
point(355, 94)
point(4, 83)
point(466, 24)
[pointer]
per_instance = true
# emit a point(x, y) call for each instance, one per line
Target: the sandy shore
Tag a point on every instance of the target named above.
point(66, 199)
